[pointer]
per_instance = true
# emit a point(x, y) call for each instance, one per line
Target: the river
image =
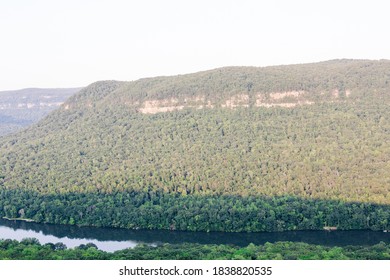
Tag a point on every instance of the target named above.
point(112, 239)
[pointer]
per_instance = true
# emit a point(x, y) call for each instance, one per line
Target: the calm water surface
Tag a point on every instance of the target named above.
point(109, 239)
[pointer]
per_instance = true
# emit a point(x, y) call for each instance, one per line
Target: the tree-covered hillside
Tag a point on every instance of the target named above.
point(231, 149)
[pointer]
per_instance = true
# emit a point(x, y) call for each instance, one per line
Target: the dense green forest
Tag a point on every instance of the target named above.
point(230, 149)
point(21, 108)
point(159, 210)
point(31, 249)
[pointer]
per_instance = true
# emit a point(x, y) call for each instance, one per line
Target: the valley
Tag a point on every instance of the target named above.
point(235, 149)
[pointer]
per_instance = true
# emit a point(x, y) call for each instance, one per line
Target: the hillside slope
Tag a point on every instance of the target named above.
point(235, 149)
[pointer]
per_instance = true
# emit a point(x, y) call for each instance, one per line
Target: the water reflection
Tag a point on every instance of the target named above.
point(109, 239)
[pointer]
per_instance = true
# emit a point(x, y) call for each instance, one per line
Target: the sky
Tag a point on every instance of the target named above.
point(72, 43)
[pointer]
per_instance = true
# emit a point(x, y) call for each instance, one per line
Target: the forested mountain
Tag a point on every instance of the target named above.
point(20, 108)
point(231, 149)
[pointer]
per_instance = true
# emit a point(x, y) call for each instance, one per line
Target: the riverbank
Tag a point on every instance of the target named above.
point(112, 239)
point(19, 219)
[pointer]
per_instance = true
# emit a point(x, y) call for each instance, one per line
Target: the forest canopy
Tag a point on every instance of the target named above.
point(31, 249)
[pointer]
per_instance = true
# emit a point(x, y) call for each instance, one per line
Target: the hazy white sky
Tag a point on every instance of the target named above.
point(50, 43)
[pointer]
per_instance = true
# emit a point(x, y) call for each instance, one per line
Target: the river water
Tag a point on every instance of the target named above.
point(111, 239)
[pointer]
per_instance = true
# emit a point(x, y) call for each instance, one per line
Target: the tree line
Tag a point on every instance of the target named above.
point(31, 249)
point(159, 210)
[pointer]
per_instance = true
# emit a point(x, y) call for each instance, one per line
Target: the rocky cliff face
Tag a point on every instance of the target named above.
point(234, 87)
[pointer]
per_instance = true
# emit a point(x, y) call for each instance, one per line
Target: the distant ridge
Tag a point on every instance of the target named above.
point(20, 108)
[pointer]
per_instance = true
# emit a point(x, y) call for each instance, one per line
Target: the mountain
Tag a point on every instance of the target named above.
point(20, 108)
point(230, 149)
